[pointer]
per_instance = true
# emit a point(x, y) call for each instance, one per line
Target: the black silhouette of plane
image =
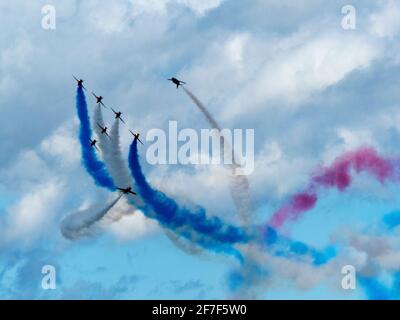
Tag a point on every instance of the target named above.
point(103, 130)
point(99, 99)
point(136, 135)
point(118, 115)
point(127, 190)
point(177, 82)
point(80, 82)
point(93, 144)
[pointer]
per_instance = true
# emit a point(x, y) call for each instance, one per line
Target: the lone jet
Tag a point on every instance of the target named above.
point(118, 115)
point(127, 190)
point(177, 82)
point(80, 82)
point(93, 144)
point(103, 130)
point(136, 135)
point(99, 99)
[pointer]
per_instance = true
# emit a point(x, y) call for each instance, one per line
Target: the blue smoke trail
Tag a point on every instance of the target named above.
point(93, 165)
point(392, 220)
point(169, 213)
point(285, 247)
point(374, 290)
point(211, 233)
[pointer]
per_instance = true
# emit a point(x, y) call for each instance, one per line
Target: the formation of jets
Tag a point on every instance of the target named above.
point(118, 114)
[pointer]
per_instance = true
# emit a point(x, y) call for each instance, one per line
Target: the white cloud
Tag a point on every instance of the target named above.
point(234, 48)
point(372, 255)
point(386, 23)
point(295, 73)
point(298, 273)
point(347, 140)
point(141, 7)
point(248, 73)
point(63, 145)
point(28, 170)
point(204, 185)
point(41, 185)
point(16, 55)
point(128, 224)
point(200, 7)
point(224, 64)
point(34, 213)
point(377, 253)
point(109, 17)
point(32, 166)
point(115, 16)
point(14, 63)
point(277, 174)
point(353, 139)
point(240, 73)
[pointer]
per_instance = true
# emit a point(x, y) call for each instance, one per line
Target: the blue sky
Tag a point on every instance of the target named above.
point(310, 89)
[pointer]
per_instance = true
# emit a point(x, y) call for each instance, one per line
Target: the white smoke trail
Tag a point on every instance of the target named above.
point(112, 157)
point(80, 223)
point(118, 167)
point(240, 185)
point(203, 109)
point(98, 119)
point(119, 171)
point(183, 244)
point(239, 189)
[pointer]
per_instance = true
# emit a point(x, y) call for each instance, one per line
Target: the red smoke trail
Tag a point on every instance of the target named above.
point(338, 176)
